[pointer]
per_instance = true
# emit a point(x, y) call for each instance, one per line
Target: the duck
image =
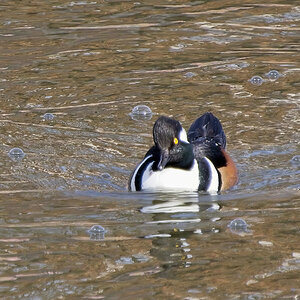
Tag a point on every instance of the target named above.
point(178, 161)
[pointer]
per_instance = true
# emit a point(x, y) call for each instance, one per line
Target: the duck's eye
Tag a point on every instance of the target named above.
point(175, 141)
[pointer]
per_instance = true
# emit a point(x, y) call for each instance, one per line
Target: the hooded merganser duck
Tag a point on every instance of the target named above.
point(187, 163)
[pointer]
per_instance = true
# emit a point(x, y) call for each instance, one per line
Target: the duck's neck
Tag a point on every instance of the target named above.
point(183, 159)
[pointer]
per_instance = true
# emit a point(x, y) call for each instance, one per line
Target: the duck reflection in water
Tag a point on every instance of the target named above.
point(175, 219)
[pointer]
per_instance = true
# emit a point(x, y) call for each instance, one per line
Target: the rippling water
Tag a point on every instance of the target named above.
point(71, 73)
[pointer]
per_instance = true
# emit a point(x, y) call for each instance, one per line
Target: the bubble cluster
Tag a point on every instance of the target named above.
point(97, 233)
point(238, 226)
point(16, 154)
point(141, 112)
point(48, 117)
point(256, 80)
point(273, 75)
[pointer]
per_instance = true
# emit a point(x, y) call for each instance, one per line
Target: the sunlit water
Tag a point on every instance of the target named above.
point(71, 74)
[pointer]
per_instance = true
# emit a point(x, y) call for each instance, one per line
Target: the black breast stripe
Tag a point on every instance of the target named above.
point(220, 181)
point(139, 175)
point(205, 176)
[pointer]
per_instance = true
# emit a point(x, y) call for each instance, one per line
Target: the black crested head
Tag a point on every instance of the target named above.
point(171, 146)
point(165, 130)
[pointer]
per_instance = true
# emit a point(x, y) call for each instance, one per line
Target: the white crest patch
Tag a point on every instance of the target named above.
point(183, 136)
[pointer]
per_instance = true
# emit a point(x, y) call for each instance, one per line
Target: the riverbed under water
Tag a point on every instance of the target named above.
point(70, 74)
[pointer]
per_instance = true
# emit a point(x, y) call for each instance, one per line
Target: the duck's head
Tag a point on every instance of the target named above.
point(171, 141)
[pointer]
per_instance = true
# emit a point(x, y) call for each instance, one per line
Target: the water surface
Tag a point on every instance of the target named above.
point(71, 72)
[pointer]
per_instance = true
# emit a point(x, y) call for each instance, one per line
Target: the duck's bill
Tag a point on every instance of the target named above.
point(164, 159)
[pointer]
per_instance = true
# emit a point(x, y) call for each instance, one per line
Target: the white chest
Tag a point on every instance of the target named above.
point(171, 179)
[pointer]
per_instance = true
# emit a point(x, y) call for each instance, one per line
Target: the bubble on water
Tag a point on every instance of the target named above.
point(273, 75)
point(238, 226)
point(97, 228)
point(106, 176)
point(141, 112)
point(48, 117)
point(97, 233)
point(256, 80)
point(295, 161)
point(189, 74)
point(16, 154)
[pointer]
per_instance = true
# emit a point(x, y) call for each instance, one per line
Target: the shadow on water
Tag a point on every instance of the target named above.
point(71, 74)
